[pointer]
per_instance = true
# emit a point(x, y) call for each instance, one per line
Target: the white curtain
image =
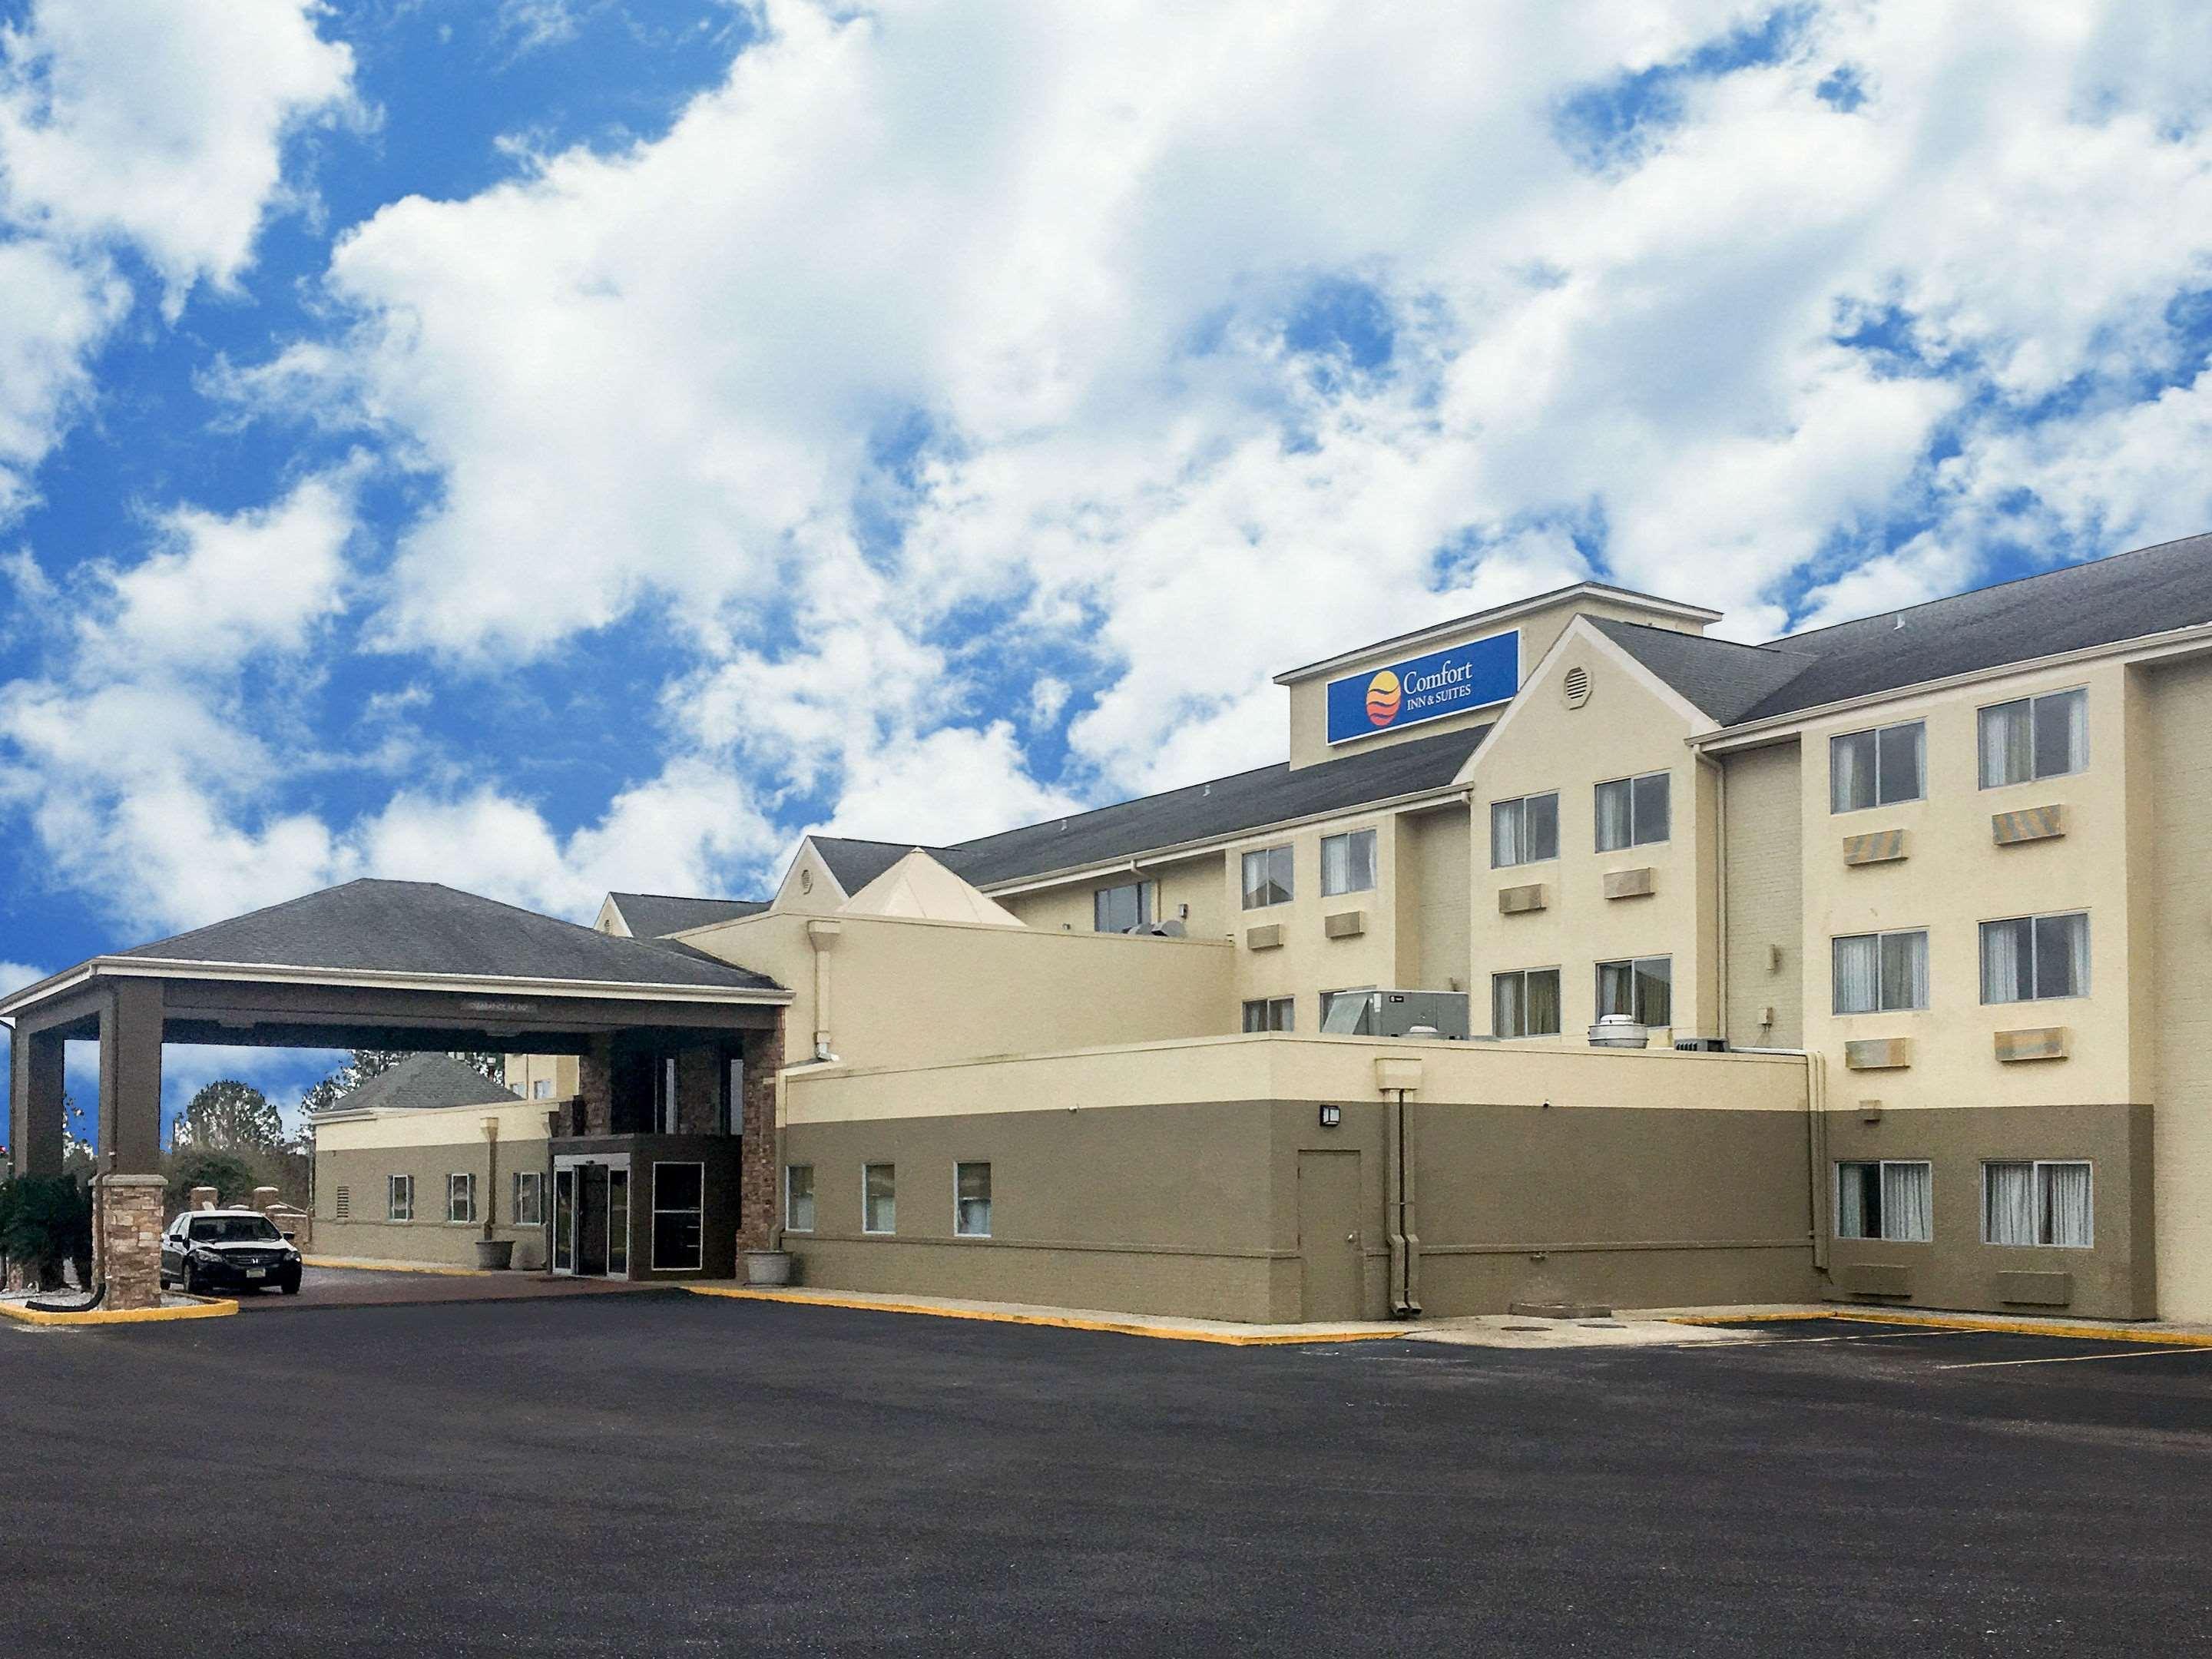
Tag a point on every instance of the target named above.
point(1509, 1006)
point(2077, 955)
point(1505, 834)
point(2066, 1203)
point(1616, 988)
point(1858, 961)
point(1612, 816)
point(2001, 961)
point(1905, 970)
point(1848, 779)
point(1908, 1202)
point(2008, 1203)
point(2007, 745)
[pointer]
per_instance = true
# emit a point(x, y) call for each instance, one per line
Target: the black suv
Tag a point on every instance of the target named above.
point(204, 1249)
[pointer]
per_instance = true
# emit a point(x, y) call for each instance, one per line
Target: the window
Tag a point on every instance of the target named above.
point(460, 1198)
point(1271, 1014)
point(880, 1198)
point(798, 1198)
point(1881, 973)
point(1344, 1013)
point(1525, 830)
point(1642, 988)
point(1117, 909)
point(1268, 877)
point(1348, 863)
point(2035, 738)
point(1890, 1201)
point(400, 1198)
point(343, 1204)
point(2038, 1203)
point(1525, 1003)
point(664, 1095)
point(1877, 767)
point(2032, 959)
point(678, 1207)
point(529, 1207)
point(971, 1199)
point(1631, 812)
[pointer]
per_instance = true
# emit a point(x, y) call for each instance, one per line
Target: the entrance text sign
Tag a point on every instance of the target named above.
point(1447, 682)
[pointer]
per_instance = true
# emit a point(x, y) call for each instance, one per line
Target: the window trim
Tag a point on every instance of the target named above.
point(1148, 903)
point(1877, 732)
point(989, 1198)
point(2033, 699)
point(1374, 862)
point(1522, 973)
point(1634, 841)
point(1290, 852)
point(1835, 982)
point(790, 1226)
point(1836, 1198)
point(891, 1232)
point(1520, 804)
point(1981, 960)
point(537, 1180)
point(655, 1210)
point(454, 1184)
point(394, 1211)
point(2037, 1165)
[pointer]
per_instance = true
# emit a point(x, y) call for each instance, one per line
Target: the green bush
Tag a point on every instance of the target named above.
point(46, 1226)
point(231, 1175)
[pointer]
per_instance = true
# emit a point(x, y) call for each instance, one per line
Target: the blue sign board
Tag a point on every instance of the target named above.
point(1447, 682)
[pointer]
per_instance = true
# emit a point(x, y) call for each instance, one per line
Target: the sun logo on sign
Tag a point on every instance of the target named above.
point(1383, 698)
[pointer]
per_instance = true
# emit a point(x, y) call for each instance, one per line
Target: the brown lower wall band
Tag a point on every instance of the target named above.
point(1803, 1243)
point(800, 1241)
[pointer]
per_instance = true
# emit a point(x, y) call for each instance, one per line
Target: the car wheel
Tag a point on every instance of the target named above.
point(291, 1287)
point(193, 1286)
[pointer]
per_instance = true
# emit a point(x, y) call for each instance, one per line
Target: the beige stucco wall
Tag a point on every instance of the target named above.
point(913, 991)
point(1199, 883)
point(1764, 830)
point(1539, 629)
point(558, 1073)
point(2180, 704)
point(1307, 961)
point(1435, 868)
point(1625, 729)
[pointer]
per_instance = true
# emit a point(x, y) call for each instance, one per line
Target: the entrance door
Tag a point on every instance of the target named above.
point(592, 1219)
point(1329, 1235)
point(590, 1216)
point(564, 1219)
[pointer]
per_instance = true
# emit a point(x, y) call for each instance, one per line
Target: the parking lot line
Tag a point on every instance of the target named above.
point(1884, 1336)
point(2069, 1359)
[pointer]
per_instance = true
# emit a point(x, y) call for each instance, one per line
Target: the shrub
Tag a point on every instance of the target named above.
point(47, 1222)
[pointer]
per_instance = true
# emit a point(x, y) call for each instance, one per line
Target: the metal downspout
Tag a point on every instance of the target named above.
point(1404, 1238)
point(1720, 893)
point(1816, 1145)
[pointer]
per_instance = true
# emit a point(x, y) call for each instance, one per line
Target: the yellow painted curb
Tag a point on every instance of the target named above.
point(1066, 1321)
point(204, 1308)
point(345, 1266)
point(2000, 1327)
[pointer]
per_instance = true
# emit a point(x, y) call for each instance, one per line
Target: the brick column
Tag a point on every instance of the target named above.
point(757, 1214)
point(128, 1240)
point(595, 1082)
point(699, 1089)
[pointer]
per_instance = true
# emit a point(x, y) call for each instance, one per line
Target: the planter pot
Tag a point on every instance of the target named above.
point(767, 1267)
point(495, 1254)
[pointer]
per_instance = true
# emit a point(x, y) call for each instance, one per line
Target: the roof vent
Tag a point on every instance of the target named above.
point(1576, 688)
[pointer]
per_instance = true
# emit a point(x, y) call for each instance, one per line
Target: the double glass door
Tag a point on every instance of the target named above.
point(590, 1216)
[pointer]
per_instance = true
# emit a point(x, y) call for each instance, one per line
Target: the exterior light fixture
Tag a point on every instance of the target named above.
point(1331, 1116)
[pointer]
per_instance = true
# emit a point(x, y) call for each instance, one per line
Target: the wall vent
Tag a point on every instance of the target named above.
point(1631, 884)
point(1877, 846)
point(1345, 924)
point(1878, 1054)
point(1268, 937)
point(2029, 823)
point(1575, 687)
point(2036, 1290)
point(344, 1207)
point(2037, 1043)
point(1520, 901)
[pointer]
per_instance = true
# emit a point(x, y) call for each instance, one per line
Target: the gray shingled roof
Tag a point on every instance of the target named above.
point(856, 863)
point(656, 916)
point(1222, 807)
point(422, 1081)
point(420, 927)
point(2077, 606)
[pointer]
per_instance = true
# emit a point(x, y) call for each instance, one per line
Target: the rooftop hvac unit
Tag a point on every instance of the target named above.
point(1700, 1045)
point(1159, 930)
point(1396, 1013)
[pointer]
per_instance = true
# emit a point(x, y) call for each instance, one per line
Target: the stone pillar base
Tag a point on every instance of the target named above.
point(130, 1239)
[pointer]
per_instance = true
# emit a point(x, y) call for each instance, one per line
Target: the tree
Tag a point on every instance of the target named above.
point(229, 1174)
point(231, 1116)
point(47, 1222)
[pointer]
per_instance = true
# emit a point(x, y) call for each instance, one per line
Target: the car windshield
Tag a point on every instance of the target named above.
point(233, 1229)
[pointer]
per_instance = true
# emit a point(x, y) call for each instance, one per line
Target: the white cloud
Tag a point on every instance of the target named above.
point(55, 311)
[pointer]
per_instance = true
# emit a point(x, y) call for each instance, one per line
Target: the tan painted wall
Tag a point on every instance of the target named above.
point(449, 1125)
point(1435, 866)
point(1625, 729)
point(1197, 882)
point(430, 1237)
point(1765, 829)
point(1539, 629)
point(557, 1072)
point(1307, 961)
point(906, 990)
point(2180, 704)
point(808, 885)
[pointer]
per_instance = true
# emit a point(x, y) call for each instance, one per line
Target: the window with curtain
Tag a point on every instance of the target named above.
point(460, 1198)
point(2037, 1203)
point(2032, 738)
point(1881, 973)
point(880, 1198)
point(1348, 863)
point(529, 1198)
point(1642, 988)
point(400, 1198)
point(1877, 767)
point(1268, 877)
point(798, 1198)
point(1633, 811)
point(1524, 830)
point(1525, 1003)
point(2035, 959)
point(1892, 1200)
point(1117, 909)
point(1270, 1014)
point(971, 1200)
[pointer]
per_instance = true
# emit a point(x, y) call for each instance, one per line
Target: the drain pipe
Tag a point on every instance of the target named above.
point(822, 938)
point(1816, 1145)
point(1397, 1079)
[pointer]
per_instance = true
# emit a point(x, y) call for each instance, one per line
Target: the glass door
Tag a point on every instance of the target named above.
point(564, 1219)
point(618, 1221)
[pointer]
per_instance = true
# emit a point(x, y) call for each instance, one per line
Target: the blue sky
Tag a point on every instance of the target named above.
point(553, 445)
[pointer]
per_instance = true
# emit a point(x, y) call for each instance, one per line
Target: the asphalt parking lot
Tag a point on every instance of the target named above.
point(364, 1287)
point(654, 1472)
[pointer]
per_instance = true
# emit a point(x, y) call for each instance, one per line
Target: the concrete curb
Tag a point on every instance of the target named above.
point(1999, 1326)
point(350, 1265)
point(202, 1308)
point(1064, 1321)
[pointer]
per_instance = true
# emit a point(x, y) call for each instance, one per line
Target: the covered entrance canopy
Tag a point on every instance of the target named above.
point(373, 964)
